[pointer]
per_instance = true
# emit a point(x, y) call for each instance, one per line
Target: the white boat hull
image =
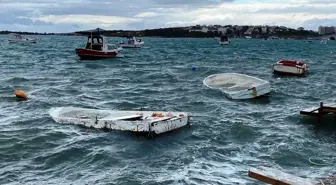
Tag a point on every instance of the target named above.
point(22, 41)
point(296, 70)
point(143, 121)
point(238, 86)
point(131, 45)
point(224, 43)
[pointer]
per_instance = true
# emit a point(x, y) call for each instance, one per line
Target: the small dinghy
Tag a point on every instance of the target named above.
point(132, 43)
point(238, 86)
point(224, 40)
point(290, 67)
point(135, 121)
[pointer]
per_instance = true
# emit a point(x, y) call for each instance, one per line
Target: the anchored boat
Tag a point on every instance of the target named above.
point(290, 67)
point(97, 48)
point(21, 39)
point(238, 86)
point(132, 43)
point(224, 40)
point(156, 122)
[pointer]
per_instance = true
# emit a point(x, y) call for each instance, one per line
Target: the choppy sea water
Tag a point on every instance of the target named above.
point(226, 138)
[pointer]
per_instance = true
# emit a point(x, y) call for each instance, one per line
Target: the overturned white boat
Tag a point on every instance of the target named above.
point(135, 121)
point(132, 43)
point(238, 86)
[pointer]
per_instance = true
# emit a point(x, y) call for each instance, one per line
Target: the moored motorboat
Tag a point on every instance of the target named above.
point(21, 39)
point(224, 40)
point(97, 48)
point(290, 67)
point(152, 122)
point(238, 86)
point(132, 43)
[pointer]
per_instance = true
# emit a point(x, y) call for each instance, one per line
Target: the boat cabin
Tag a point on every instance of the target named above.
point(18, 36)
point(95, 42)
point(224, 38)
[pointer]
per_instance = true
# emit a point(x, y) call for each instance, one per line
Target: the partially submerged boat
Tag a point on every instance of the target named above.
point(21, 39)
point(97, 47)
point(224, 40)
point(290, 67)
point(132, 43)
point(238, 86)
point(151, 122)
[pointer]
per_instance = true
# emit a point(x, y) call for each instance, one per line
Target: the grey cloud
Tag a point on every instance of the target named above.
point(9, 18)
point(191, 2)
point(298, 9)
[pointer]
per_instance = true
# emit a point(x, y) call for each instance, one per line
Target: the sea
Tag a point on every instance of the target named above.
point(225, 139)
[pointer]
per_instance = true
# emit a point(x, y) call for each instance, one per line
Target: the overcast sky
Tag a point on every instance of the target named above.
point(74, 15)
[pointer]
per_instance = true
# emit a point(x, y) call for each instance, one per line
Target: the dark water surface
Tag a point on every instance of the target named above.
point(226, 137)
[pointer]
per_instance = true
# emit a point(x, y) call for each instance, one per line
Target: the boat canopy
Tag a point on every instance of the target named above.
point(224, 38)
point(17, 35)
point(95, 42)
point(97, 31)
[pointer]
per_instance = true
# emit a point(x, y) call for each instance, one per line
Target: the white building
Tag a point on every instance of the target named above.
point(222, 30)
point(249, 31)
point(326, 30)
point(203, 29)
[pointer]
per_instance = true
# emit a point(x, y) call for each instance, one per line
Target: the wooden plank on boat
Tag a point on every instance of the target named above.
point(128, 117)
point(321, 110)
point(310, 111)
point(277, 177)
point(162, 119)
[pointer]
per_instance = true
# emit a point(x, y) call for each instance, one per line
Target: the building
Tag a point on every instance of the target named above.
point(222, 30)
point(203, 29)
point(249, 31)
point(323, 30)
point(264, 30)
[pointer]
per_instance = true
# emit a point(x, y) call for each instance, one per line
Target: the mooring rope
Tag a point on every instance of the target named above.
point(322, 182)
point(319, 164)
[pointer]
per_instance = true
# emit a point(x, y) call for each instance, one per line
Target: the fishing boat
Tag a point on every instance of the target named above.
point(21, 39)
point(238, 86)
point(151, 122)
point(97, 48)
point(224, 40)
point(290, 67)
point(132, 43)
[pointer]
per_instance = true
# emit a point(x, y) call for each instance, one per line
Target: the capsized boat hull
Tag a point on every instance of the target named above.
point(238, 86)
point(88, 54)
point(156, 122)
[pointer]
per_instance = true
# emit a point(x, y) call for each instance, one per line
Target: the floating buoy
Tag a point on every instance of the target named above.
point(193, 68)
point(20, 94)
point(331, 52)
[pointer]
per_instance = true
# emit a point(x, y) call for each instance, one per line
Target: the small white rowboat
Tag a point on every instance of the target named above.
point(238, 86)
point(135, 121)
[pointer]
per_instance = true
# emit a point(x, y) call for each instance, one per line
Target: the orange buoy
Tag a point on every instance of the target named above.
point(20, 94)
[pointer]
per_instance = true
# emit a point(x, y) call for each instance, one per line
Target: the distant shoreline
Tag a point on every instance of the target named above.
point(254, 32)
